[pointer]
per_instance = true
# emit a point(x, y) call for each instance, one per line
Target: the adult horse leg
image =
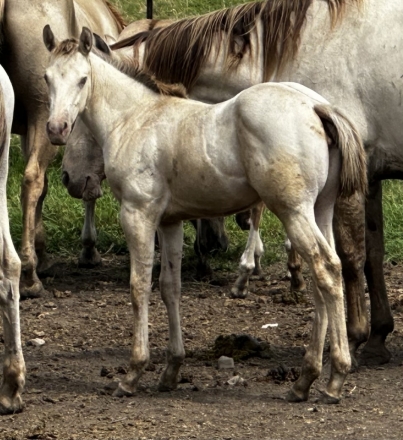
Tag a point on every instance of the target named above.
point(10, 270)
point(171, 243)
point(253, 251)
point(38, 153)
point(375, 351)
point(140, 236)
point(210, 237)
point(14, 366)
point(89, 255)
point(243, 220)
point(349, 232)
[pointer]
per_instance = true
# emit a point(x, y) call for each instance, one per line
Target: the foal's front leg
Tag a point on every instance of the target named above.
point(139, 230)
point(171, 241)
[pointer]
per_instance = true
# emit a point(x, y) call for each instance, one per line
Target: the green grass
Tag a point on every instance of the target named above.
point(63, 215)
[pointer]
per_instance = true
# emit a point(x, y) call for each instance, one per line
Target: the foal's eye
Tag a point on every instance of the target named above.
point(82, 82)
point(45, 77)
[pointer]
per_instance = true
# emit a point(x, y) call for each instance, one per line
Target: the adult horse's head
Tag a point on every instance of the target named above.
point(68, 83)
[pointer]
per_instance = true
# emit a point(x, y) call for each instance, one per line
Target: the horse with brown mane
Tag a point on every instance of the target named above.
point(338, 48)
point(23, 57)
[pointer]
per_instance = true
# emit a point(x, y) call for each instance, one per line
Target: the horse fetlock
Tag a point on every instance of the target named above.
point(295, 395)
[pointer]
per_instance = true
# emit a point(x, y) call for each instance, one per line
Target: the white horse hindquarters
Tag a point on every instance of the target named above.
point(10, 268)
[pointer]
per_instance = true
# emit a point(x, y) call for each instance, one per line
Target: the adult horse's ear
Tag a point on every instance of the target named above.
point(48, 38)
point(85, 43)
point(101, 45)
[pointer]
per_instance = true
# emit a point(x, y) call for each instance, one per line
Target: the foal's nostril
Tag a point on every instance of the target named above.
point(65, 178)
point(64, 126)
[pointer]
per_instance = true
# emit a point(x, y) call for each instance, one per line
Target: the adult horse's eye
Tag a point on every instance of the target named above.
point(82, 82)
point(45, 77)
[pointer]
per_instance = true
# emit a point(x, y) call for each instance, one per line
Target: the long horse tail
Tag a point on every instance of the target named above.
point(345, 136)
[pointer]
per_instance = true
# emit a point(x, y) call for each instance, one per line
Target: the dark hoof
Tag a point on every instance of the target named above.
point(293, 397)
point(35, 291)
point(45, 264)
point(257, 273)
point(89, 259)
point(164, 388)
point(374, 355)
point(237, 293)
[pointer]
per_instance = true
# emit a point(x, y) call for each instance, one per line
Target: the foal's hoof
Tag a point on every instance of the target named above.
point(238, 293)
point(293, 397)
point(36, 290)
point(89, 258)
point(10, 406)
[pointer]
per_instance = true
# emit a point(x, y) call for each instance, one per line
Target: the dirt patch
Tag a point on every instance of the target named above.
point(86, 321)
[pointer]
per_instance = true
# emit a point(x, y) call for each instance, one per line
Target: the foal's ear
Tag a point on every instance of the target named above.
point(85, 43)
point(100, 44)
point(48, 38)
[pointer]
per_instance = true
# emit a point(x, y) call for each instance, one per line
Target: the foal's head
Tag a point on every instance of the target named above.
point(68, 82)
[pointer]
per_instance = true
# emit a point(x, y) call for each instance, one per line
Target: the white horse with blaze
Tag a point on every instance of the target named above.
point(169, 159)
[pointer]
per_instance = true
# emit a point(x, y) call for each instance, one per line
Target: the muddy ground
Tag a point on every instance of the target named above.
point(85, 321)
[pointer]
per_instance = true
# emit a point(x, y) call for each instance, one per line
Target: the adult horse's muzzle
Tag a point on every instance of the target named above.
point(58, 132)
point(86, 188)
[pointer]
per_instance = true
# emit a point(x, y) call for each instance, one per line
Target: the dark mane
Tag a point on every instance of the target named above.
point(176, 53)
point(127, 66)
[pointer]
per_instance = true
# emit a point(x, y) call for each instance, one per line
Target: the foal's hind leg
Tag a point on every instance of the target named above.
point(328, 296)
point(171, 242)
point(294, 264)
point(253, 251)
point(89, 255)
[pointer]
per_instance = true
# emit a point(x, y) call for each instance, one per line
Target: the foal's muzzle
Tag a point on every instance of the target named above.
point(58, 132)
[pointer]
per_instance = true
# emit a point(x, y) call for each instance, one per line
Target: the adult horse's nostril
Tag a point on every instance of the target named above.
point(65, 178)
point(64, 126)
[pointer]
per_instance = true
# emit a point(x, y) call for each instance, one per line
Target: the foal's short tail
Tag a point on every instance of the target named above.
point(345, 136)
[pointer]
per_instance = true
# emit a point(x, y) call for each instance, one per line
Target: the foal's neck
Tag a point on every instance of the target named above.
point(113, 97)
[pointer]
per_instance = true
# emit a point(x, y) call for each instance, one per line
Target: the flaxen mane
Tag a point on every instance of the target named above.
point(177, 52)
point(126, 66)
point(120, 21)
